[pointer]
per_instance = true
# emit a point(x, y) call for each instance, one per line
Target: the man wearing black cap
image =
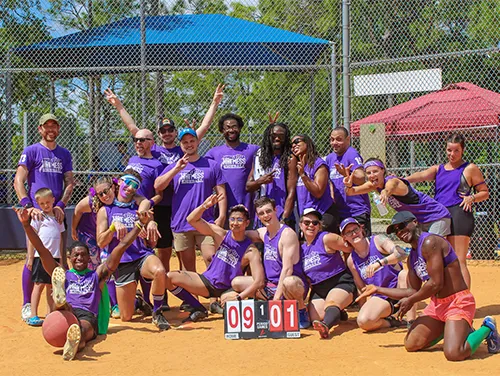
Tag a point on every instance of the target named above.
point(434, 272)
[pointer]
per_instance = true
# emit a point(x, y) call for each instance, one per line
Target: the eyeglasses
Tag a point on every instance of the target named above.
point(297, 141)
point(307, 222)
point(353, 232)
point(400, 226)
point(104, 192)
point(230, 127)
point(141, 139)
point(239, 220)
point(166, 130)
point(131, 183)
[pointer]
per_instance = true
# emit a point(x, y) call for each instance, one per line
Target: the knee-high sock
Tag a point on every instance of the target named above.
point(158, 302)
point(27, 285)
point(186, 297)
point(146, 290)
point(332, 316)
point(112, 292)
point(476, 338)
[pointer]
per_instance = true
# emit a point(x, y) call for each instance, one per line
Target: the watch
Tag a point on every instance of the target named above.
point(29, 205)
point(238, 297)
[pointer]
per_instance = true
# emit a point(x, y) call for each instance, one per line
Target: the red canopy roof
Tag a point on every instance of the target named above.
point(456, 106)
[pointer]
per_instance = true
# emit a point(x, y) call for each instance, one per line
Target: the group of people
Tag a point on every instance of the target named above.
point(274, 221)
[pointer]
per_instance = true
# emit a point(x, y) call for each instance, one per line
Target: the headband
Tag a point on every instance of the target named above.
point(374, 163)
point(131, 177)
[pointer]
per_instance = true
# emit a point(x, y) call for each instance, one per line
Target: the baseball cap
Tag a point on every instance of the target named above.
point(166, 122)
point(401, 217)
point(45, 118)
point(346, 222)
point(313, 212)
point(185, 131)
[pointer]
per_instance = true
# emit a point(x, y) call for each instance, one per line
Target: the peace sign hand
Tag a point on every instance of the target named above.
point(219, 94)
point(343, 170)
point(272, 119)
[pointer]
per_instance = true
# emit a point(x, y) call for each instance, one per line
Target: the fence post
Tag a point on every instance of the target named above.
point(346, 64)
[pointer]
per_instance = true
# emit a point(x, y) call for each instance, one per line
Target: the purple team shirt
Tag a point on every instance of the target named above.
point(87, 224)
point(277, 189)
point(235, 164)
point(46, 169)
point(149, 169)
point(450, 185)
point(191, 188)
point(83, 291)
point(348, 206)
point(166, 157)
point(305, 199)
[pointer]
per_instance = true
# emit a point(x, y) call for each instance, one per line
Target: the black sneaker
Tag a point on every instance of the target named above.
point(160, 321)
point(165, 308)
point(186, 307)
point(395, 323)
point(142, 305)
point(343, 315)
point(215, 307)
point(196, 316)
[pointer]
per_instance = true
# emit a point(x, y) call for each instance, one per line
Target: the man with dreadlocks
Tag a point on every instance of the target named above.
point(274, 173)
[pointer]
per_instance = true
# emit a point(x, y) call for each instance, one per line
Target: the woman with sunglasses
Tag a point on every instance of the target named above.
point(432, 216)
point(455, 181)
point(376, 312)
point(313, 189)
point(332, 285)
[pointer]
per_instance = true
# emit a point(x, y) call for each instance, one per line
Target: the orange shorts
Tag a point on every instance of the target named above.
point(454, 307)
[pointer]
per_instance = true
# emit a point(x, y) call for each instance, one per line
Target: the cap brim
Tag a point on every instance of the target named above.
point(390, 229)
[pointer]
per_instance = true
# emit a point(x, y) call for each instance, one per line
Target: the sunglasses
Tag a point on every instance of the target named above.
point(166, 130)
point(297, 141)
point(104, 192)
point(307, 222)
point(239, 220)
point(141, 139)
point(400, 226)
point(131, 183)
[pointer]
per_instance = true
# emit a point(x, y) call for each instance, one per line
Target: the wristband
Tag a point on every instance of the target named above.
point(25, 201)
point(112, 227)
point(238, 298)
point(138, 225)
point(378, 261)
point(61, 204)
point(151, 203)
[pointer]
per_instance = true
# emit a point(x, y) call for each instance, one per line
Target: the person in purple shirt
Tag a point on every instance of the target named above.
point(274, 172)
point(313, 189)
point(401, 196)
point(193, 179)
point(167, 153)
point(434, 272)
point(376, 312)
point(79, 289)
point(234, 251)
point(43, 165)
point(455, 182)
point(343, 160)
point(235, 159)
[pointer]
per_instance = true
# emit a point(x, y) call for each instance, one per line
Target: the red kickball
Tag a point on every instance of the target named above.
point(55, 327)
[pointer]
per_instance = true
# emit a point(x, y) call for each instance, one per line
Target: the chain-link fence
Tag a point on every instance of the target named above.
point(165, 58)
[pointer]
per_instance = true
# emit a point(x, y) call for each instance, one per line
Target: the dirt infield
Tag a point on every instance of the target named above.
point(137, 348)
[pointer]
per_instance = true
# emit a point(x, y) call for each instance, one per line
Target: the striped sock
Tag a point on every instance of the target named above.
point(187, 298)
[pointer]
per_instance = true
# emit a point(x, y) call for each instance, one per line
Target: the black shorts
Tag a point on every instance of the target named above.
point(212, 291)
point(365, 222)
point(83, 314)
point(344, 281)
point(331, 220)
point(38, 273)
point(462, 222)
point(393, 302)
point(163, 216)
point(128, 272)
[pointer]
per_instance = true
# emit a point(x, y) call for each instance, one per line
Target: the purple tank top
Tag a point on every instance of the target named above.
point(226, 263)
point(87, 224)
point(319, 265)
point(127, 216)
point(277, 189)
point(82, 291)
point(384, 277)
point(423, 207)
point(418, 262)
point(450, 184)
point(305, 199)
point(273, 262)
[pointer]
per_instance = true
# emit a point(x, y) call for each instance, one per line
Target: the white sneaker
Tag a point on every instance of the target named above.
point(26, 311)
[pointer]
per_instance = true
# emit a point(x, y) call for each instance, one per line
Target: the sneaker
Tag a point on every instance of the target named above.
point(304, 320)
point(196, 316)
point(186, 307)
point(160, 321)
point(142, 305)
point(215, 307)
point(322, 328)
point(73, 337)
point(343, 315)
point(34, 321)
point(395, 323)
point(58, 289)
point(493, 339)
point(165, 308)
point(115, 312)
point(26, 311)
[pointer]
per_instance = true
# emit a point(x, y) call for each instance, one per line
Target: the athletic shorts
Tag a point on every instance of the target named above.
point(38, 273)
point(440, 227)
point(462, 222)
point(163, 216)
point(365, 221)
point(128, 272)
point(190, 239)
point(213, 292)
point(331, 220)
point(270, 288)
point(84, 315)
point(343, 280)
point(458, 306)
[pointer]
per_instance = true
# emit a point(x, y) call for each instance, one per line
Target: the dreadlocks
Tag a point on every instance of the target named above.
point(267, 151)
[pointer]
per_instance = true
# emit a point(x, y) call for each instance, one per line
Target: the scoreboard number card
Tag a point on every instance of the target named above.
point(261, 319)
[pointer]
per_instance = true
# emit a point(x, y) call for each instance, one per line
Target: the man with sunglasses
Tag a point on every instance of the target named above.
point(43, 165)
point(434, 272)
